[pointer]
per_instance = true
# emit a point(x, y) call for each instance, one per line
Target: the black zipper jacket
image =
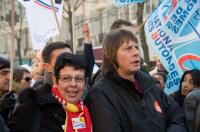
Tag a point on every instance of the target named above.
point(116, 106)
point(51, 111)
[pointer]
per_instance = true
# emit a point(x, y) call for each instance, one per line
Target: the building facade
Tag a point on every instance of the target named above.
point(101, 18)
point(99, 14)
point(22, 45)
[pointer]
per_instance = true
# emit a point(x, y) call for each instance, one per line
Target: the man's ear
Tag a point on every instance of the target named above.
point(54, 81)
point(47, 67)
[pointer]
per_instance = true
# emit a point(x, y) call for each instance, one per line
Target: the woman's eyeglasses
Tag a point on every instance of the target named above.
point(68, 78)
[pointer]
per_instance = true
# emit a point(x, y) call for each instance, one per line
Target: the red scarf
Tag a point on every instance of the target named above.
point(77, 115)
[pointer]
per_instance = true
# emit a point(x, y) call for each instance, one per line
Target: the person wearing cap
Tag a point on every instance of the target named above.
point(7, 99)
point(4, 75)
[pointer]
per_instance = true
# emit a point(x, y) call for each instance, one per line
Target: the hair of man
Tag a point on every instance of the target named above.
point(118, 23)
point(111, 44)
point(50, 47)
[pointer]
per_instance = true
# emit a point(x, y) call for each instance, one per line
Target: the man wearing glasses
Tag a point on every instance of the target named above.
point(22, 79)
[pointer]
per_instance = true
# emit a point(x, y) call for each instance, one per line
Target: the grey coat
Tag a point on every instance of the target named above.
point(190, 105)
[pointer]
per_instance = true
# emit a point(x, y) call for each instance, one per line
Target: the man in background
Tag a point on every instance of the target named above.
point(4, 75)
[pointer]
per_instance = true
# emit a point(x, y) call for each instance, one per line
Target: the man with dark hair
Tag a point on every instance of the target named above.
point(7, 100)
point(52, 50)
point(119, 24)
point(126, 25)
point(49, 55)
point(126, 99)
point(50, 47)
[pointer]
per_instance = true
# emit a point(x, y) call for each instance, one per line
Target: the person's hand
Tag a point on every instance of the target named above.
point(86, 33)
point(7, 103)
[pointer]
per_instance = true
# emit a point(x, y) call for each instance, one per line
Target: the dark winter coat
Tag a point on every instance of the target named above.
point(116, 106)
point(3, 127)
point(52, 113)
point(190, 105)
point(197, 118)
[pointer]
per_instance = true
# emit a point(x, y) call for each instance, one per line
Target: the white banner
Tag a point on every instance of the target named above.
point(42, 21)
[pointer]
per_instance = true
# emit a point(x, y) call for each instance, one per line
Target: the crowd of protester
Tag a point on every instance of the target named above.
point(62, 94)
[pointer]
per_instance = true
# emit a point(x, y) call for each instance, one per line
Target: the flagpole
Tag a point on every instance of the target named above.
point(140, 26)
point(12, 43)
point(56, 17)
point(73, 26)
point(83, 8)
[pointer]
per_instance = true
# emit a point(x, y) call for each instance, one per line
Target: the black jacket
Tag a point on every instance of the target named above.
point(197, 118)
point(3, 127)
point(116, 106)
point(190, 104)
point(52, 113)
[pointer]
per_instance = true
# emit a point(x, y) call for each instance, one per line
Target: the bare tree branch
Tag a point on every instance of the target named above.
point(68, 6)
point(77, 4)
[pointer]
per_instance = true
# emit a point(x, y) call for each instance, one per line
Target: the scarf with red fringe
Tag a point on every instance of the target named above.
point(77, 115)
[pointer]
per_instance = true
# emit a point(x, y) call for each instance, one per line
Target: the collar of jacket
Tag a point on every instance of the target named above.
point(45, 96)
point(145, 81)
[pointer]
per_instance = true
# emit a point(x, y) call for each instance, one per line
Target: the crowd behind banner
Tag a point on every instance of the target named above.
point(61, 93)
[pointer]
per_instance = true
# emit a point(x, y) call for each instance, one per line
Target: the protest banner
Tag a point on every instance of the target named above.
point(44, 19)
point(126, 2)
point(173, 30)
